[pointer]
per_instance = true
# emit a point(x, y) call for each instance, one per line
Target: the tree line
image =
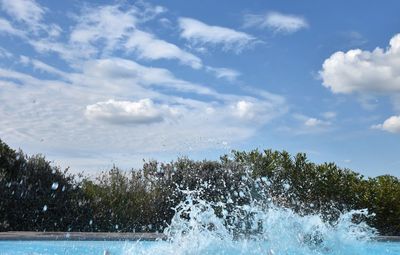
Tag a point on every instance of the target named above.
point(37, 196)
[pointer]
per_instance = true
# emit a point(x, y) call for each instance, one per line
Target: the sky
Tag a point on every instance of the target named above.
point(92, 84)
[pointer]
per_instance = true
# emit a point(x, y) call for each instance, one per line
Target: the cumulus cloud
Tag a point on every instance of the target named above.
point(149, 47)
point(391, 125)
point(245, 109)
point(143, 111)
point(278, 22)
point(376, 71)
point(199, 33)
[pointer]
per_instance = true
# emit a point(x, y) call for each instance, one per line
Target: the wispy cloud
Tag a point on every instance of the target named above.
point(96, 96)
point(7, 28)
point(39, 65)
point(30, 14)
point(199, 33)
point(149, 47)
point(308, 125)
point(224, 73)
point(136, 105)
point(109, 24)
point(329, 115)
point(27, 11)
point(5, 53)
point(278, 22)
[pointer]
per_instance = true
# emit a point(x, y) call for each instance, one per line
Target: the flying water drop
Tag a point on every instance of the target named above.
point(54, 186)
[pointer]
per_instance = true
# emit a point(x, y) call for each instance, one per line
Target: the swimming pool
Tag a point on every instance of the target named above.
point(162, 247)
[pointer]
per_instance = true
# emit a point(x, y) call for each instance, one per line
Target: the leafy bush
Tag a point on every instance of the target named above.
point(37, 196)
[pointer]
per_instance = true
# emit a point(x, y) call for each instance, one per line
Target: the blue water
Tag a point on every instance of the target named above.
point(156, 248)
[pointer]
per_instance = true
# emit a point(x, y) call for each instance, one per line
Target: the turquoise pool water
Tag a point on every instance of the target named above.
point(160, 248)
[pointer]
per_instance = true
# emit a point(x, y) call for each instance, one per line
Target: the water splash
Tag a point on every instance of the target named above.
point(254, 226)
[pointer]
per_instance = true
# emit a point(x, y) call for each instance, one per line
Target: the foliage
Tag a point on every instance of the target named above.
point(36, 196)
point(143, 200)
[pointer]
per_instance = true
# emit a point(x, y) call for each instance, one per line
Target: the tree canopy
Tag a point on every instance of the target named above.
point(37, 196)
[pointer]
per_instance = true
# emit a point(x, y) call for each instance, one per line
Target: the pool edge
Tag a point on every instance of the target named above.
point(108, 236)
point(79, 236)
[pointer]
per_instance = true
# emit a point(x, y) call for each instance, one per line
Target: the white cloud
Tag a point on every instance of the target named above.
point(42, 105)
point(314, 122)
point(395, 99)
point(97, 104)
point(329, 115)
point(224, 73)
point(308, 125)
point(177, 123)
point(39, 65)
point(244, 109)
point(28, 14)
point(199, 33)
point(391, 125)
point(108, 24)
point(123, 69)
point(102, 30)
point(256, 111)
point(280, 23)
point(149, 47)
point(5, 53)
point(376, 71)
point(143, 111)
point(354, 38)
point(7, 27)
point(165, 22)
point(27, 11)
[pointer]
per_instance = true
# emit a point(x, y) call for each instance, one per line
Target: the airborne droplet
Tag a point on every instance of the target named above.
point(54, 186)
point(44, 208)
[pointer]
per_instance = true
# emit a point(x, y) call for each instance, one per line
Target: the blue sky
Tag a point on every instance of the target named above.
point(96, 83)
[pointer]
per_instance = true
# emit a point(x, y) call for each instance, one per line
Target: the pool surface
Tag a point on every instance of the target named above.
point(162, 247)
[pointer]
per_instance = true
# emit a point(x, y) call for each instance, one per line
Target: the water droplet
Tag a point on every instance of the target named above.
point(54, 186)
point(286, 186)
point(90, 222)
point(44, 208)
